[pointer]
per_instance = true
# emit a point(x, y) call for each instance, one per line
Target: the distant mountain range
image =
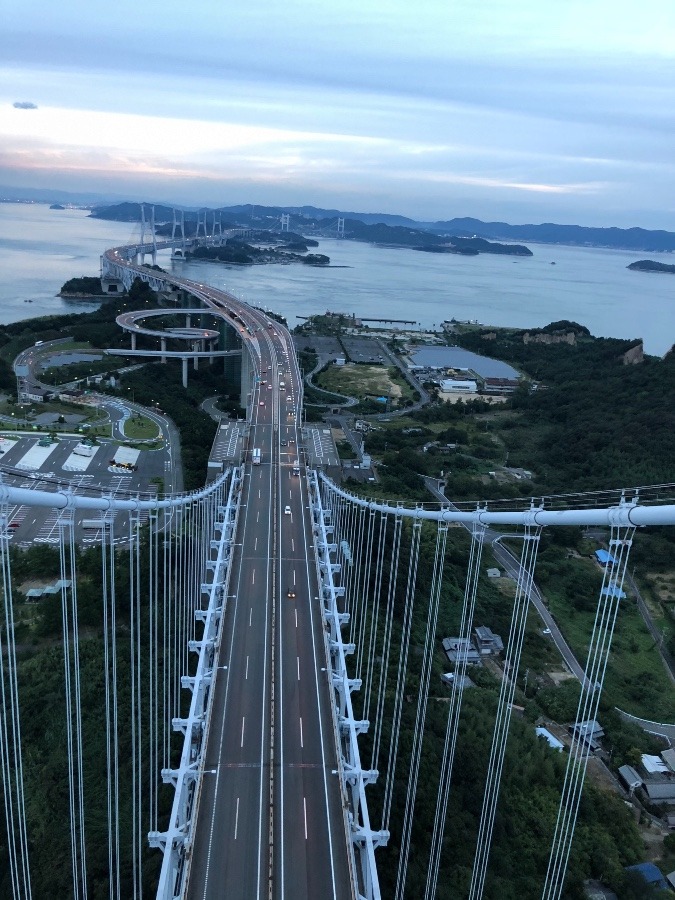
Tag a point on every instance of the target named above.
point(550, 233)
point(404, 231)
point(401, 231)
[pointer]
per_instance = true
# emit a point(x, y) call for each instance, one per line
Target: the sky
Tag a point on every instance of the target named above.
point(515, 110)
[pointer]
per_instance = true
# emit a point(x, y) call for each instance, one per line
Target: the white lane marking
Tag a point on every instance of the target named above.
point(250, 615)
point(246, 675)
point(296, 616)
point(298, 660)
point(294, 576)
point(290, 494)
point(302, 743)
point(304, 804)
point(292, 545)
point(255, 546)
point(258, 493)
point(243, 722)
point(236, 820)
point(257, 516)
point(253, 578)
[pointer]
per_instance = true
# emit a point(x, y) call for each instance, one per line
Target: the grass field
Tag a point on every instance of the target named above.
point(362, 382)
point(636, 680)
point(140, 428)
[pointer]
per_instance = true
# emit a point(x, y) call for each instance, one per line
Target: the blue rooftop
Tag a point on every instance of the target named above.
point(603, 557)
point(651, 874)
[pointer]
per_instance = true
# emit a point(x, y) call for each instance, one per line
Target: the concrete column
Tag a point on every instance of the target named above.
point(185, 371)
point(133, 340)
point(188, 321)
point(245, 380)
point(195, 347)
point(163, 343)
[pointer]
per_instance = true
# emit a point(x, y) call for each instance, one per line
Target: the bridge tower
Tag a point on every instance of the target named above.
point(341, 227)
point(201, 223)
point(178, 252)
point(285, 222)
point(154, 235)
point(140, 256)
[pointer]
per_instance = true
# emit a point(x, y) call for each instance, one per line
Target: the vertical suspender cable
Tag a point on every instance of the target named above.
point(587, 709)
point(105, 601)
point(504, 707)
point(422, 700)
point(375, 617)
point(454, 710)
point(388, 623)
point(79, 744)
point(402, 671)
point(10, 735)
point(65, 621)
point(365, 592)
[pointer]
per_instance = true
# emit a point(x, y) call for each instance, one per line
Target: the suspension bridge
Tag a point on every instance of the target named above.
point(256, 659)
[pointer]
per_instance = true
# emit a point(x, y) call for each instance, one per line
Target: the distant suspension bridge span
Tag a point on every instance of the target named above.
point(252, 633)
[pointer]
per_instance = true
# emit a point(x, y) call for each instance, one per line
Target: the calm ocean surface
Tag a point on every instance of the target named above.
point(41, 248)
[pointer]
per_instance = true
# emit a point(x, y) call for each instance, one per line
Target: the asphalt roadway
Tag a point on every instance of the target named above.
point(270, 821)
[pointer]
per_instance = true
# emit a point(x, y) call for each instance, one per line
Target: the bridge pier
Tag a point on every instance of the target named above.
point(185, 371)
point(163, 346)
point(133, 341)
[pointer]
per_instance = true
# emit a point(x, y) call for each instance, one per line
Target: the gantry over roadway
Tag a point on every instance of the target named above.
point(271, 818)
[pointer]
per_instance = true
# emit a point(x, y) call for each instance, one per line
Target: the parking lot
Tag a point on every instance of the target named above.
point(34, 462)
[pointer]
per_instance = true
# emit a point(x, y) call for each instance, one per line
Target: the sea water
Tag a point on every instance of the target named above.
point(41, 248)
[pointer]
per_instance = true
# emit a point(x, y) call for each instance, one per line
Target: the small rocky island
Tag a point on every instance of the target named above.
point(84, 288)
point(474, 246)
point(648, 265)
point(268, 249)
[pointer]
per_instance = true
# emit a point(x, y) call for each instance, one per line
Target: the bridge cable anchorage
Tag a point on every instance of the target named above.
point(611, 593)
point(507, 690)
point(454, 708)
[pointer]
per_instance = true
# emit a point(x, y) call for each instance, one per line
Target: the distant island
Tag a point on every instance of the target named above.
point(399, 231)
point(475, 246)
point(56, 206)
point(84, 288)
point(284, 248)
point(648, 265)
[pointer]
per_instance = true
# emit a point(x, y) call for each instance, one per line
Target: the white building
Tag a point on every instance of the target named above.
point(455, 386)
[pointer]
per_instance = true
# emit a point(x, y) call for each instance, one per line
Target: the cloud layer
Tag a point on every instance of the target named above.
point(521, 110)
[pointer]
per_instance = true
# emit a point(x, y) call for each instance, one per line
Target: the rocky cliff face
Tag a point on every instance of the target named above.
point(540, 337)
point(634, 355)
